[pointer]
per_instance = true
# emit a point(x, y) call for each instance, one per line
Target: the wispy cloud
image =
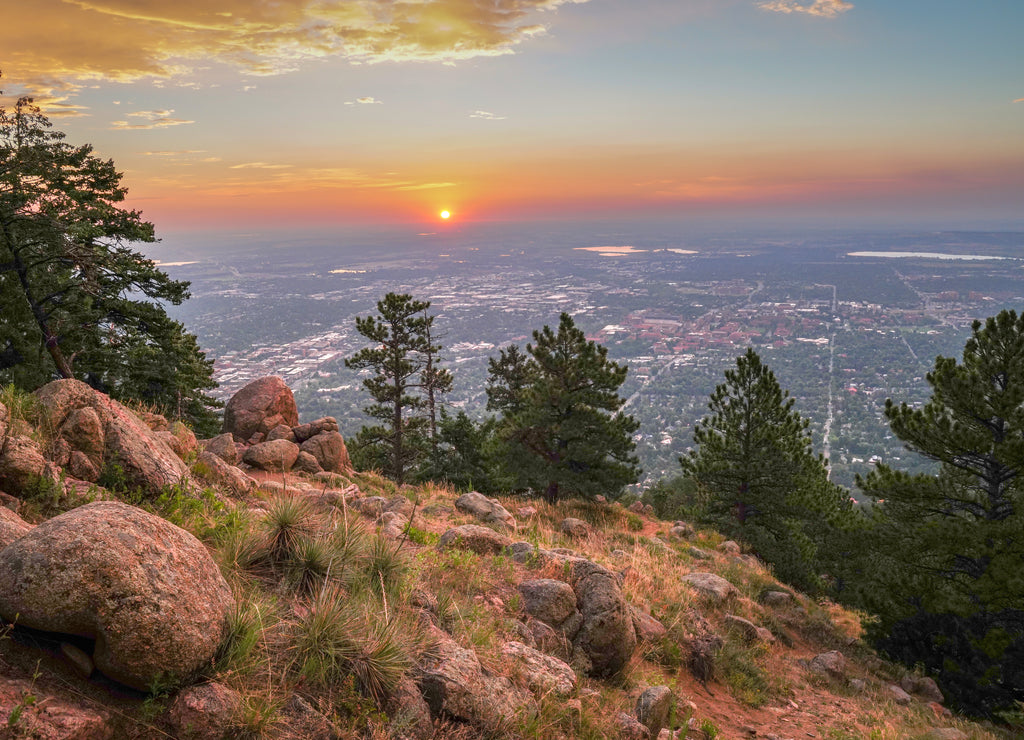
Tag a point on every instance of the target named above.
point(259, 166)
point(173, 153)
point(821, 8)
point(486, 115)
point(1019, 100)
point(126, 40)
point(150, 119)
point(368, 101)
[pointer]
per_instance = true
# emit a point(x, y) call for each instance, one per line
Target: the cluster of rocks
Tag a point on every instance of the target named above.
point(263, 423)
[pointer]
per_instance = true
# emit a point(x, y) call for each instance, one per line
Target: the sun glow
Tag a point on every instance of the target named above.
point(446, 215)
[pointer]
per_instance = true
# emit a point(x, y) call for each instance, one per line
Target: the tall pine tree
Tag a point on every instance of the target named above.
point(759, 477)
point(396, 358)
point(948, 574)
point(562, 430)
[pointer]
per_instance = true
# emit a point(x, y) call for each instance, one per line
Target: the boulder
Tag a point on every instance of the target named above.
point(653, 707)
point(898, 695)
point(180, 439)
point(747, 629)
point(637, 507)
point(303, 432)
point(12, 527)
point(924, 687)
point(544, 674)
point(148, 592)
point(647, 628)
point(259, 407)
point(408, 712)
point(218, 473)
point(682, 530)
point(49, 717)
point(697, 554)
point(831, 664)
point(329, 450)
point(276, 456)
point(22, 466)
point(472, 537)
point(144, 461)
point(155, 422)
point(453, 683)
point(777, 598)
point(605, 642)
point(552, 602)
point(711, 586)
point(629, 728)
point(83, 431)
point(525, 512)
point(80, 466)
point(575, 528)
point(204, 711)
point(223, 446)
point(399, 504)
point(281, 431)
point(479, 506)
point(730, 547)
point(306, 463)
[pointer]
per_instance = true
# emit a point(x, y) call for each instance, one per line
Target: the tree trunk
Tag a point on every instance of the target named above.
point(49, 338)
point(552, 493)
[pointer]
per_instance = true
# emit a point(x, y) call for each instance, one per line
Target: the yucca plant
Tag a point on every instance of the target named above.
point(287, 521)
point(313, 561)
point(385, 568)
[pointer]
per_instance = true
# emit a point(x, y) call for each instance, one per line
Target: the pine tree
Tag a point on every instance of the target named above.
point(760, 480)
point(396, 358)
point(435, 382)
point(77, 301)
point(562, 430)
point(947, 580)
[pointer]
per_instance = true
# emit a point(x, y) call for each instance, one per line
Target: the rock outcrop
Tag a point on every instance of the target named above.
point(259, 407)
point(490, 512)
point(107, 434)
point(145, 590)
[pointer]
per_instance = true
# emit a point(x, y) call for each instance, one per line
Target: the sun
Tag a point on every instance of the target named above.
point(446, 215)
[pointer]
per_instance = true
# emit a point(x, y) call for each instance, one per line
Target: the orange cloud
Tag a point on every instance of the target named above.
point(821, 8)
point(46, 41)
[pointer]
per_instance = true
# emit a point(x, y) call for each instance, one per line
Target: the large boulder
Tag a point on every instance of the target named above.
point(480, 540)
point(491, 512)
point(329, 450)
point(552, 602)
point(259, 407)
point(542, 673)
point(12, 527)
point(606, 640)
point(22, 465)
point(276, 456)
point(148, 592)
point(454, 683)
point(71, 408)
point(218, 473)
point(224, 447)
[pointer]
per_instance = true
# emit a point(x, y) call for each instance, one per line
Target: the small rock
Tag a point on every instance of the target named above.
point(204, 711)
point(745, 627)
point(79, 660)
point(477, 505)
point(897, 694)
point(223, 446)
point(548, 600)
point(304, 721)
point(575, 528)
point(472, 537)
point(653, 707)
point(681, 531)
point(49, 717)
point(647, 628)
point(711, 586)
point(525, 512)
point(281, 431)
point(698, 554)
point(543, 673)
point(730, 547)
point(408, 712)
point(306, 463)
point(776, 598)
point(858, 685)
point(630, 728)
point(831, 664)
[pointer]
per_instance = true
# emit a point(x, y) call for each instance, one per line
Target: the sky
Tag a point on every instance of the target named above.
point(231, 114)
